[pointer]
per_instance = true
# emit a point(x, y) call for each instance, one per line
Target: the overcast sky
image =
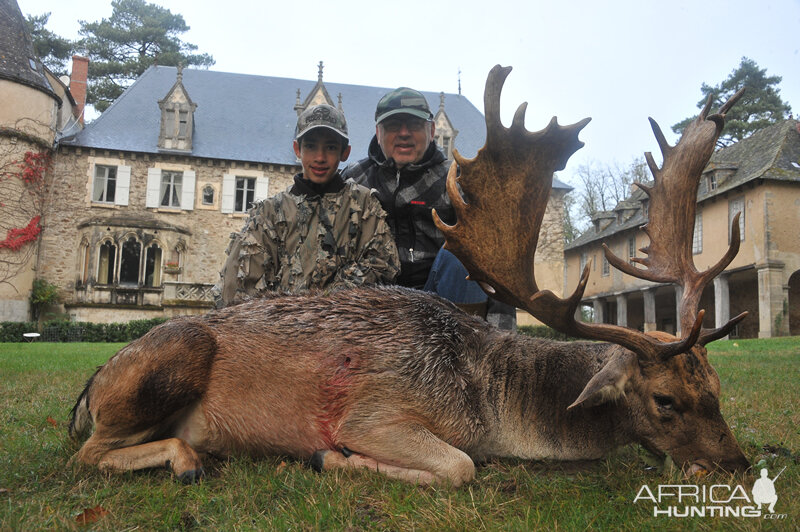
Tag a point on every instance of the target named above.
point(615, 61)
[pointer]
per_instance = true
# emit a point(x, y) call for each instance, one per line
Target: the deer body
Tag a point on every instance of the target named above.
point(375, 371)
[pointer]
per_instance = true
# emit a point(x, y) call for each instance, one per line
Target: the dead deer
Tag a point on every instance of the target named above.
point(402, 382)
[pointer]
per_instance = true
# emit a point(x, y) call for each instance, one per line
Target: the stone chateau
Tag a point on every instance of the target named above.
point(140, 203)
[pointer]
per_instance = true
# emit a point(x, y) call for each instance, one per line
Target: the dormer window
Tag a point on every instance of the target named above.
point(712, 182)
point(177, 118)
point(445, 132)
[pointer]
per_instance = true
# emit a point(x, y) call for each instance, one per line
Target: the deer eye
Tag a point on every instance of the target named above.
point(664, 402)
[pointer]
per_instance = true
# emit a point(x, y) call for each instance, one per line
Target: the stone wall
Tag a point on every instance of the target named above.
point(73, 223)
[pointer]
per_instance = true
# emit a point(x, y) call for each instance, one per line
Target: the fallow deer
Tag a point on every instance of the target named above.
point(402, 382)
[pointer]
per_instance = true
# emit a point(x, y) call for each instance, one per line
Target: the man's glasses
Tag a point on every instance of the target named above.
point(414, 125)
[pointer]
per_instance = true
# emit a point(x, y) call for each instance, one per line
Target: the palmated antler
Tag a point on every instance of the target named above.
point(673, 202)
point(505, 190)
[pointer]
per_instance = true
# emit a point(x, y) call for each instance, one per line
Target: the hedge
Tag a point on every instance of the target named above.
point(71, 331)
point(543, 331)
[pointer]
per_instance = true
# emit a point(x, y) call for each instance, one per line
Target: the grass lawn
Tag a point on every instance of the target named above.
point(39, 383)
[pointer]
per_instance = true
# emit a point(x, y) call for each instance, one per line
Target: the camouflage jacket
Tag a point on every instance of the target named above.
point(297, 241)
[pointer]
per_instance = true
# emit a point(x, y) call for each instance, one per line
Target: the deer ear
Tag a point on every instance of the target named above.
point(609, 383)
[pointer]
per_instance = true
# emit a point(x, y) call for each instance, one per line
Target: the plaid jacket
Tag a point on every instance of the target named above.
point(408, 195)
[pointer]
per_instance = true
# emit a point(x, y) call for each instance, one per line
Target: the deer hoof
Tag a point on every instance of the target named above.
point(318, 460)
point(191, 476)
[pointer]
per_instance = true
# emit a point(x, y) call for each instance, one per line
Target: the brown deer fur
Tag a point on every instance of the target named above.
point(408, 383)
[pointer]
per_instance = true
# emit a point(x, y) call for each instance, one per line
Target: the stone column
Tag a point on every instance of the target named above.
point(678, 296)
point(597, 304)
point(649, 310)
point(622, 310)
point(722, 301)
point(772, 321)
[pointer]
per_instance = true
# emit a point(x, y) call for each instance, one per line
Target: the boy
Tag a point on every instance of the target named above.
point(322, 232)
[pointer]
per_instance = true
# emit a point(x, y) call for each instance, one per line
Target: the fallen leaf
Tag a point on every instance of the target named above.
point(280, 467)
point(90, 515)
point(52, 421)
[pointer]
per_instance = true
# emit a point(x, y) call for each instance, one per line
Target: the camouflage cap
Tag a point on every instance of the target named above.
point(403, 101)
point(321, 116)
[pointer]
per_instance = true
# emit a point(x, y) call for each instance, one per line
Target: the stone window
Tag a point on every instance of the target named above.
point(711, 182)
point(106, 263)
point(183, 120)
point(697, 237)
point(245, 193)
point(583, 261)
point(152, 266)
point(129, 262)
point(606, 266)
point(736, 206)
point(171, 183)
point(105, 184)
point(631, 248)
point(444, 144)
point(208, 195)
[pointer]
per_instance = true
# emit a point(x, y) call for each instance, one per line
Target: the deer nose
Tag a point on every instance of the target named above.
point(739, 464)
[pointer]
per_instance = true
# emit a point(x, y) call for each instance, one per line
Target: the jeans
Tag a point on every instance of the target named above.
point(447, 279)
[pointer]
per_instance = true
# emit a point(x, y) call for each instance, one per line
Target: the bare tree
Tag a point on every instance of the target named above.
point(601, 187)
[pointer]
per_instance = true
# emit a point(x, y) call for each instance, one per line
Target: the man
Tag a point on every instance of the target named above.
point(409, 172)
point(321, 233)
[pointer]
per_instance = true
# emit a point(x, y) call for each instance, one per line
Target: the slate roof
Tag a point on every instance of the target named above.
point(250, 118)
point(772, 153)
point(18, 62)
point(766, 154)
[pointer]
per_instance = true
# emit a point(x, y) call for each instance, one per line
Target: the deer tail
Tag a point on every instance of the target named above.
point(81, 421)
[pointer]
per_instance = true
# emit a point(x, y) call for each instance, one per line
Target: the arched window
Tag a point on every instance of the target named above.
point(152, 266)
point(208, 195)
point(106, 262)
point(129, 262)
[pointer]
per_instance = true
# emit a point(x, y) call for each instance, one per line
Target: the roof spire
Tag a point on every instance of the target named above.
point(441, 101)
point(180, 72)
point(340, 101)
point(459, 81)
point(319, 75)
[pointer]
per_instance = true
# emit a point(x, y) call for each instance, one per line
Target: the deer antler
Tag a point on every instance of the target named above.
point(506, 188)
point(673, 202)
point(505, 191)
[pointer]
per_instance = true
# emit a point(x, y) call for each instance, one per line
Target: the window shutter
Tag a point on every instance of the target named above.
point(187, 194)
point(153, 187)
point(262, 186)
point(123, 185)
point(228, 190)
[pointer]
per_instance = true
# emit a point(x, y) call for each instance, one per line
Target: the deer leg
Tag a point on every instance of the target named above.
point(413, 455)
point(173, 453)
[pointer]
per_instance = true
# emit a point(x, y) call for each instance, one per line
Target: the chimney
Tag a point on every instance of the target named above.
point(77, 84)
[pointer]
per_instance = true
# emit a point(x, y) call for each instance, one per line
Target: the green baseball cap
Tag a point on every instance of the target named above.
point(403, 101)
point(321, 116)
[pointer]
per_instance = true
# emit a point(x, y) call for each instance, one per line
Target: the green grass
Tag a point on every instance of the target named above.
point(38, 491)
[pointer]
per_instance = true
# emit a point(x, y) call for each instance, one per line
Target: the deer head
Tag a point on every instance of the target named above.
point(500, 205)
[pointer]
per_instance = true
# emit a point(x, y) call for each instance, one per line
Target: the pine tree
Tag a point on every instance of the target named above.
point(122, 47)
point(760, 106)
point(54, 51)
